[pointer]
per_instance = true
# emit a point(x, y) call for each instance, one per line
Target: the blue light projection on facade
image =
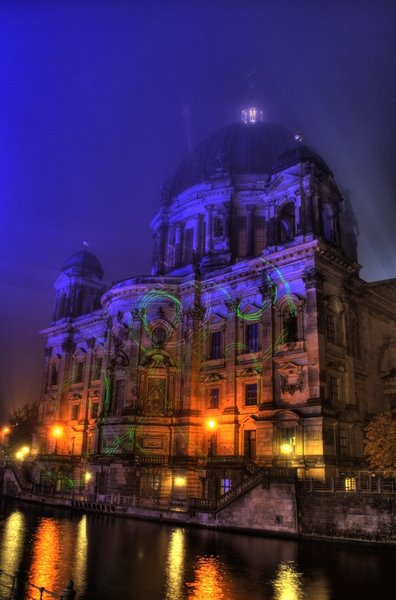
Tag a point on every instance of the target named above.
point(222, 355)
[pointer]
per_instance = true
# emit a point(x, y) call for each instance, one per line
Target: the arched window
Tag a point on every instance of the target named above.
point(54, 374)
point(286, 223)
point(334, 321)
point(328, 222)
point(287, 438)
point(291, 322)
point(290, 326)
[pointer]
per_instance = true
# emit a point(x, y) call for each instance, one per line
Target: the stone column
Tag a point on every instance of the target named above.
point(178, 244)
point(250, 230)
point(197, 233)
point(209, 229)
point(272, 229)
point(170, 249)
point(162, 234)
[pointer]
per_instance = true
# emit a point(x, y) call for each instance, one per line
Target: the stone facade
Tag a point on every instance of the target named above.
point(253, 342)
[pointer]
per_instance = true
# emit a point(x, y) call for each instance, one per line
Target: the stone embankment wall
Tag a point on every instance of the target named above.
point(267, 508)
point(348, 516)
point(279, 508)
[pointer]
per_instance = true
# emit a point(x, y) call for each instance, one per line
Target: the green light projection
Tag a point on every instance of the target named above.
point(154, 307)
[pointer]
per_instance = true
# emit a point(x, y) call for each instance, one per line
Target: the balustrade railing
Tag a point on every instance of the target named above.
point(363, 482)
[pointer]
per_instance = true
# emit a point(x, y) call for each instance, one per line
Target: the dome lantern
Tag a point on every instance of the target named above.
point(252, 115)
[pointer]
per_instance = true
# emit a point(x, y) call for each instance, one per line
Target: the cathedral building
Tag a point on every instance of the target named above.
point(252, 343)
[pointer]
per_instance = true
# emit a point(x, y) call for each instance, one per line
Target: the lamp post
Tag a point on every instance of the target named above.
point(5, 431)
point(211, 426)
point(57, 432)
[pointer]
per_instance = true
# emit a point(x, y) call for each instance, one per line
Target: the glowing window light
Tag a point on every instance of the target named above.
point(180, 481)
point(350, 484)
point(88, 476)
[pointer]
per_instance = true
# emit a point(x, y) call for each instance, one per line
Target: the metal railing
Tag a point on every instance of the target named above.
point(16, 587)
point(363, 482)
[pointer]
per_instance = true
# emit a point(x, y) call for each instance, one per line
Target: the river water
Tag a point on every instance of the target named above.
point(122, 559)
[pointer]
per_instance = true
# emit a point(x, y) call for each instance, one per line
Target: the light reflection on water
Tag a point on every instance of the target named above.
point(114, 558)
point(288, 583)
point(175, 565)
point(209, 580)
point(12, 542)
point(46, 555)
point(80, 554)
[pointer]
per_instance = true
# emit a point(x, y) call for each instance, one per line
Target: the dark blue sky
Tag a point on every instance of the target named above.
point(99, 102)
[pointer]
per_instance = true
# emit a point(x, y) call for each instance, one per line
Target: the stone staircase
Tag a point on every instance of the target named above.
point(241, 489)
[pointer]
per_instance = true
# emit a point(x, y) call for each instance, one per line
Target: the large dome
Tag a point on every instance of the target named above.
point(241, 148)
point(83, 263)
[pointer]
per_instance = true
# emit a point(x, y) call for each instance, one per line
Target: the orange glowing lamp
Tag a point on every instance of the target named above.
point(57, 431)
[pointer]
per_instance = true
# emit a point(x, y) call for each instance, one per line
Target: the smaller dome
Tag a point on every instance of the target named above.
point(83, 263)
point(298, 154)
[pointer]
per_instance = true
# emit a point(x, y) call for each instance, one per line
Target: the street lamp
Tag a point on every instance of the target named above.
point(211, 426)
point(5, 431)
point(57, 432)
point(22, 453)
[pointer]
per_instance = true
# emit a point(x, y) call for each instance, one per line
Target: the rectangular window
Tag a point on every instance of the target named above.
point(251, 394)
point(75, 409)
point(350, 484)
point(97, 370)
point(343, 442)
point(225, 486)
point(252, 337)
point(331, 328)
point(94, 410)
point(334, 389)
point(78, 372)
point(214, 397)
point(215, 345)
point(249, 445)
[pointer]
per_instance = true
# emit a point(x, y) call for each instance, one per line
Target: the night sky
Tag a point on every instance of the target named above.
point(100, 101)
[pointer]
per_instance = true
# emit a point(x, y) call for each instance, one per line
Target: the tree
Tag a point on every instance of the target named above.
point(23, 422)
point(380, 443)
